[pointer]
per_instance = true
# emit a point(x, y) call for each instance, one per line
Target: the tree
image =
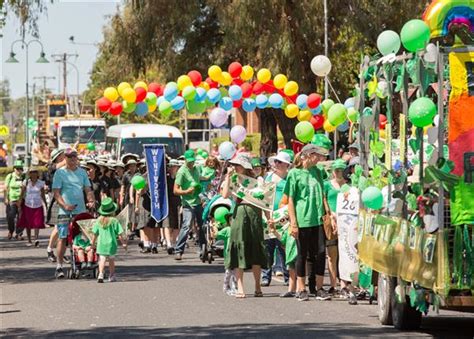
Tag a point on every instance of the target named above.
point(28, 12)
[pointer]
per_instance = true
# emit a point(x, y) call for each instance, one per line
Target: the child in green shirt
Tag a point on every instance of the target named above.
point(82, 246)
point(106, 230)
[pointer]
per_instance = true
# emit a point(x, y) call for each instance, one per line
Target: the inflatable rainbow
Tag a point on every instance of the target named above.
point(441, 15)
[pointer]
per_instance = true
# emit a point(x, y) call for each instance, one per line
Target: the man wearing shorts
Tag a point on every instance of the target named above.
point(69, 185)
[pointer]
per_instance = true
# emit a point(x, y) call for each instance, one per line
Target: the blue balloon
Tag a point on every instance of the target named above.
point(350, 102)
point(249, 105)
point(226, 103)
point(316, 111)
point(275, 100)
point(214, 95)
point(170, 92)
point(301, 101)
point(200, 94)
point(141, 109)
point(343, 127)
point(261, 100)
point(178, 103)
point(160, 100)
point(235, 92)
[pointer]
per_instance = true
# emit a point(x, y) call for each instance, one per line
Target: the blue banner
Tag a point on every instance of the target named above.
point(156, 168)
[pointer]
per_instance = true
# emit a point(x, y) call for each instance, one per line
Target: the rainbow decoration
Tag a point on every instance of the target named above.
point(441, 15)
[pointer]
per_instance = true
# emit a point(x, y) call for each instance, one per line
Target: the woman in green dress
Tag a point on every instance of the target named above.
point(246, 249)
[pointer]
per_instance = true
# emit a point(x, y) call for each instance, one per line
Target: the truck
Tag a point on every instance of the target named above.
point(81, 132)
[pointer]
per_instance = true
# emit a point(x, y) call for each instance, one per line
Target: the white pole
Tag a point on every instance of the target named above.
point(326, 85)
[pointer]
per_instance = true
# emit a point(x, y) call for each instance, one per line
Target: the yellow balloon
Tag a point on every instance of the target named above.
point(264, 75)
point(247, 73)
point(214, 73)
point(151, 108)
point(304, 115)
point(280, 81)
point(291, 88)
point(204, 85)
point(122, 86)
point(291, 111)
point(328, 127)
point(184, 81)
point(382, 133)
point(141, 84)
point(111, 93)
point(129, 95)
point(225, 79)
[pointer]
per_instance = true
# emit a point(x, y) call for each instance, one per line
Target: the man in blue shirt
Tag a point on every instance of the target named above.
point(69, 185)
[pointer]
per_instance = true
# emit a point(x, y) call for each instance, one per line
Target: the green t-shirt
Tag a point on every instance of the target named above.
point(186, 178)
point(305, 187)
point(291, 250)
point(107, 236)
point(207, 175)
point(80, 242)
point(13, 182)
point(330, 192)
point(224, 234)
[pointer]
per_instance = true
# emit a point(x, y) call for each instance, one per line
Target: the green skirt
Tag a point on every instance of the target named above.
point(246, 245)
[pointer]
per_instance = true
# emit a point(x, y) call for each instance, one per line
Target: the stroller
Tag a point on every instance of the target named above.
point(212, 247)
point(75, 271)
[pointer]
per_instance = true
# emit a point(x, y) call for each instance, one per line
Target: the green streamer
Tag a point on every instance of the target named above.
point(457, 257)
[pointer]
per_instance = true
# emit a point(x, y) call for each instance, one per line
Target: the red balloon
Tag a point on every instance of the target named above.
point(196, 77)
point(235, 69)
point(212, 84)
point(116, 108)
point(141, 94)
point(382, 121)
point(155, 88)
point(237, 81)
point(103, 104)
point(270, 88)
point(237, 103)
point(313, 100)
point(317, 121)
point(246, 90)
point(258, 88)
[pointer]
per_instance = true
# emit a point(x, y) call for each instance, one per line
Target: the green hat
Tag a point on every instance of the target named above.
point(338, 164)
point(18, 164)
point(107, 207)
point(256, 162)
point(322, 140)
point(189, 156)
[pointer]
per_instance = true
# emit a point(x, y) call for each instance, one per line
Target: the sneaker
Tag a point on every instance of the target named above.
point(67, 259)
point(178, 257)
point(140, 244)
point(279, 273)
point(59, 273)
point(230, 292)
point(100, 278)
point(344, 293)
point(37, 243)
point(332, 291)
point(51, 257)
point(83, 265)
point(264, 283)
point(112, 278)
point(321, 294)
point(312, 292)
point(170, 250)
point(288, 295)
point(146, 250)
point(154, 250)
point(302, 296)
point(352, 299)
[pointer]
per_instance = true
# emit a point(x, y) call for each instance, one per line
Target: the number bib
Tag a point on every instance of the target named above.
point(348, 203)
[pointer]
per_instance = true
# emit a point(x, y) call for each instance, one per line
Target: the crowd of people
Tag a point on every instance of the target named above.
point(76, 183)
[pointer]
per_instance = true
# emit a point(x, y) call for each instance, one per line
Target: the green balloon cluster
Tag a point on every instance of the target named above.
point(422, 112)
point(372, 198)
point(415, 35)
point(304, 131)
point(337, 114)
point(195, 107)
point(138, 182)
point(165, 108)
point(353, 115)
point(326, 105)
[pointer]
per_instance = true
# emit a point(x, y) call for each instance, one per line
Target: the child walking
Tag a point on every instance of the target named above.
point(106, 230)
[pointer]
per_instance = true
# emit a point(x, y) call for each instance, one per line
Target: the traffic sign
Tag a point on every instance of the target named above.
point(4, 131)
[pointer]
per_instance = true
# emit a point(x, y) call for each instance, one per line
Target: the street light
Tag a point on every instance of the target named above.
point(41, 60)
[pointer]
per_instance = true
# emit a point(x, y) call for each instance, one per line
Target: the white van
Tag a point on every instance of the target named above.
point(130, 138)
point(71, 131)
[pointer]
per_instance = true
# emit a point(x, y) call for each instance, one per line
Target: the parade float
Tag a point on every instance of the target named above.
point(416, 136)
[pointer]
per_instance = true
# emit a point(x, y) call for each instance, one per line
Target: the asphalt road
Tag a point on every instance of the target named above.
point(157, 296)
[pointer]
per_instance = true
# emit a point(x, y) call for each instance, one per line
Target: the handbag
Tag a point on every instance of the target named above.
point(327, 224)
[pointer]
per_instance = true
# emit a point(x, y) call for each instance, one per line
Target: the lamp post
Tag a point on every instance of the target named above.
point(41, 60)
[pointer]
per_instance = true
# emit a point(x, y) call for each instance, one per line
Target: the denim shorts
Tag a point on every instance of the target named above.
point(63, 230)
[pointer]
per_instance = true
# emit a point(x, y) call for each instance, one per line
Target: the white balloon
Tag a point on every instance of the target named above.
point(321, 65)
point(238, 134)
point(436, 120)
point(218, 117)
point(430, 55)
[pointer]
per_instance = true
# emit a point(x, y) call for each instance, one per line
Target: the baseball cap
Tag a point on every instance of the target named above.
point(338, 164)
point(189, 156)
point(282, 157)
point(256, 162)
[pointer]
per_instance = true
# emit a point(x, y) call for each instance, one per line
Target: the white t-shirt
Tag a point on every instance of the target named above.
point(33, 194)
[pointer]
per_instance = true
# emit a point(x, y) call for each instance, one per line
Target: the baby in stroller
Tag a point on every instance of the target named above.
point(82, 247)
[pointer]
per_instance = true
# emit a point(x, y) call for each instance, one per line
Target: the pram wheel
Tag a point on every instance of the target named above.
point(94, 273)
point(204, 253)
point(210, 258)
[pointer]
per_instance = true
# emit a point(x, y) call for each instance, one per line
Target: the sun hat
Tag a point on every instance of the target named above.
point(128, 155)
point(56, 153)
point(119, 164)
point(33, 169)
point(173, 162)
point(256, 162)
point(310, 149)
point(107, 207)
point(131, 162)
point(281, 157)
point(242, 160)
point(338, 164)
point(189, 156)
point(18, 164)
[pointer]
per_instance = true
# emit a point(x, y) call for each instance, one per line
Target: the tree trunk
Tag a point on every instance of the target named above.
point(287, 126)
point(268, 132)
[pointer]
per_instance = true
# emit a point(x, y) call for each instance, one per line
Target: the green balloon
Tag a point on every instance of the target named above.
point(372, 198)
point(91, 146)
point(189, 93)
point(388, 42)
point(138, 182)
point(195, 107)
point(151, 99)
point(220, 214)
point(415, 35)
point(165, 108)
point(321, 140)
point(326, 105)
point(337, 114)
point(422, 112)
point(304, 131)
point(353, 115)
point(128, 107)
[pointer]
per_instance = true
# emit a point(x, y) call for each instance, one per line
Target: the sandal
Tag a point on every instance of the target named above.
point(10, 235)
point(240, 295)
point(258, 294)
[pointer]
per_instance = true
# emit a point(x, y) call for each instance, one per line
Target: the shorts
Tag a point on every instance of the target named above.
point(291, 265)
point(63, 230)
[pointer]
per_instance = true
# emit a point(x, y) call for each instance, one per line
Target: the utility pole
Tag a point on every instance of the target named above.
point(64, 59)
point(44, 78)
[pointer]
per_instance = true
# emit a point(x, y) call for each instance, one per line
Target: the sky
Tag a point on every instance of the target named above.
point(64, 18)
